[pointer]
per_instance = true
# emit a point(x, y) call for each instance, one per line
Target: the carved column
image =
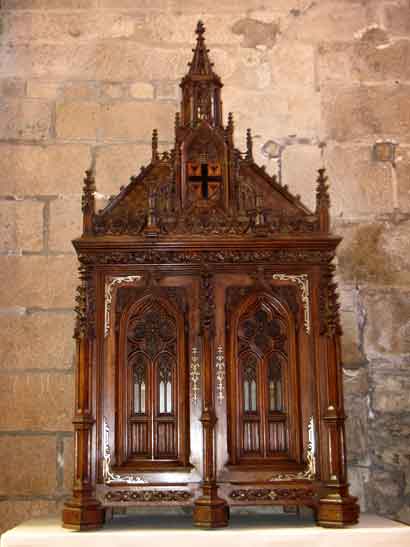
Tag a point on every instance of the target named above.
point(210, 510)
point(336, 507)
point(83, 511)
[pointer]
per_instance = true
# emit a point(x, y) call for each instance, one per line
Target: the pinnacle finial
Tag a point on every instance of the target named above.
point(154, 145)
point(249, 145)
point(200, 29)
point(323, 200)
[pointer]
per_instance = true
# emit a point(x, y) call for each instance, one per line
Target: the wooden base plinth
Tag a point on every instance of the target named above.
point(336, 511)
point(87, 516)
point(210, 511)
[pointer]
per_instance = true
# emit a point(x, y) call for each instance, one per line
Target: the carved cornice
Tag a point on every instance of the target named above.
point(229, 256)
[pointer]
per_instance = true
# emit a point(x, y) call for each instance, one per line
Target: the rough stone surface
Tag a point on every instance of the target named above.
point(28, 120)
point(22, 344)
point(38, 281)
point(18, 478)
point(43, 170)
point(36, 402)
point(115, 164)
point(65, 223)
point(67, 464)
point(22, 223)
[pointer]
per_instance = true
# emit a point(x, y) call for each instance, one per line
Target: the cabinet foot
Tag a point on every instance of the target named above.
point(211, 511)
point(89, 515)
point(336, 511)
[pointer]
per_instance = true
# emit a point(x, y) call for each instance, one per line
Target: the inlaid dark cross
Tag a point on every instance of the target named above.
point(205, 178)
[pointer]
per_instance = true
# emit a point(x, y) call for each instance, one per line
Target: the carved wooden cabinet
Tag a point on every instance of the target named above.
point(208, 335)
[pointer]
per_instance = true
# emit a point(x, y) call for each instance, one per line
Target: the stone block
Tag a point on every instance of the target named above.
point(43, 170)
point(68, 464)
point(119, 60)
point(22, 225)
point(24, 119)
point(65, 223)
point(299, 171)
point(113, 90)
point(42, 89)
point(36, 402)
point(352, 356)
point(391, 394)
point(50, 26)
point(12, 87)
point(402, 172)
point(80, 90)
point(378, 111)
point(358, 478)
point(387, 329)
point(327, 21)
point(142, 90)
point(384, 492)
point(13, 512)
point(397, 19)
point(374, 253)
point(51, 61)
point(49, 4)
point(135, 120)
point(357, 183)
point(274, 115)
point(167, 90)
point(115, 164)
point(78, 120)
point(389, 435)
point(38, 281)
point(356, 428)
point(30, 465)
point(364, 61)
point(24, 338)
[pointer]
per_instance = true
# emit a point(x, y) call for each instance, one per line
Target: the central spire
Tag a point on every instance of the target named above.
point(201, 87)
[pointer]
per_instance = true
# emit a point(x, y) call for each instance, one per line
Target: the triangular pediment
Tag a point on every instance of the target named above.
point(205, 185)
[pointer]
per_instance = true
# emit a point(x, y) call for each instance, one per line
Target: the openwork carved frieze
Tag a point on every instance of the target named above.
point(149, 496)
point(271, 494)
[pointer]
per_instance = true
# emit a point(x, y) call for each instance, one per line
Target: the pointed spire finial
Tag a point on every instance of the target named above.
point(154, 145)
point(88, 201)
point(249, 145)
point(323, 200)
point(200, 28)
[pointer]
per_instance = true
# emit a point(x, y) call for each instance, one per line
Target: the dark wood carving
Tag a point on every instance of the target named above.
point(208, 334)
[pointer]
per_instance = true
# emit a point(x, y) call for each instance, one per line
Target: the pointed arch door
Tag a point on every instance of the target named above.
point(264, 411)
point(152, 409)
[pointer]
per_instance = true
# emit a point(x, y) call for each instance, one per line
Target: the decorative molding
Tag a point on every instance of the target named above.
point(302, 282)
point(228, 256)
point(109, 285)
point(220, 374)
point(310, 472)
point(271, 494)
point(147, 496)
point(195, 374)
point(108, 475)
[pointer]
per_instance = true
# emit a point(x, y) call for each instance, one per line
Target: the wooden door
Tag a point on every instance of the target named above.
point(152, 385)
point(264, 394)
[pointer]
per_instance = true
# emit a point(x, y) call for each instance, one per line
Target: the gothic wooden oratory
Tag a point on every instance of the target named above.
point(208, 336)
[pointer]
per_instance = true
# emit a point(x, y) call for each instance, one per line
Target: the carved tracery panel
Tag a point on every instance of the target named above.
point(262, 341)
point(152, 339)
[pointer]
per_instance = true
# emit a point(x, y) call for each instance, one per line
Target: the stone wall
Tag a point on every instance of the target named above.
point(83, 82)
